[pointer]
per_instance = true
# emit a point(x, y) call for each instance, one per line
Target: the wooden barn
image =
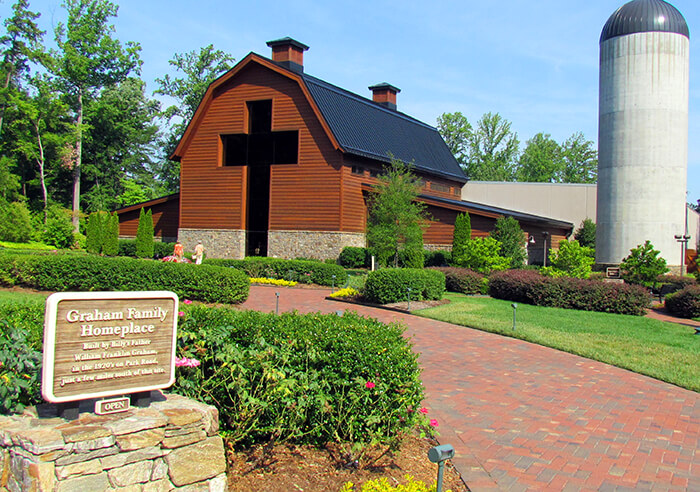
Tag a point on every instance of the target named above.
point(276, 162)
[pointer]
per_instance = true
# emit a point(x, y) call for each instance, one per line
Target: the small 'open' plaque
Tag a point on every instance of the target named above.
point(114, 405)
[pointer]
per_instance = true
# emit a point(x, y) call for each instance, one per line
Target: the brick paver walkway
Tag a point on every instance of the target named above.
point(525, 417)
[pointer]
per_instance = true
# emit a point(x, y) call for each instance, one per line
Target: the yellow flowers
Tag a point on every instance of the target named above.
point(272, 281)
point(347, 292)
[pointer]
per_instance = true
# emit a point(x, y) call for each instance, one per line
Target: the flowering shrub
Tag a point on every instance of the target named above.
point(272, 281)
point(346, 292)
point(185, 362)
point(389, 285)
point(383, 485)
point(529, 287)
point(303, 378)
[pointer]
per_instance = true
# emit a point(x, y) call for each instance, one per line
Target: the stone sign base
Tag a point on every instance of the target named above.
point(172, 444)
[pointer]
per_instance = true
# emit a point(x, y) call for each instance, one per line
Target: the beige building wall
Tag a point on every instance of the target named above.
point(570, 202)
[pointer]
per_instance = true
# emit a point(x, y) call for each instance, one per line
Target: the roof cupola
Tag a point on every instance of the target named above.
point(385, 94)
point(289, 53)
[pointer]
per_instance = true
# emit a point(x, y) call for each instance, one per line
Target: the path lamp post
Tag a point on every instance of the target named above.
point(515, 308)
point(333, 283)
point(440, 454)
point(683, 239)
point(408, 305)
point(544, 255)
point(277, 303)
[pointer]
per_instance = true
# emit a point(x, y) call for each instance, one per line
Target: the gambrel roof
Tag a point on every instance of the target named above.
point(355, 125)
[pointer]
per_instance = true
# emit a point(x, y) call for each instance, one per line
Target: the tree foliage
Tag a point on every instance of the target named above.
point(643, 265)
point(457, 133)
point(461, 236)
point(483, 255)
point(507, 231)
point(541, 161)
point(395, 221)
point(585, 234)
point(144, 235)
point(571, 260)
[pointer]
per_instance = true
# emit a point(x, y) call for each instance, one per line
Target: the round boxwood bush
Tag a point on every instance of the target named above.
point(685, 302)
point(353, 257)
point(391, 285)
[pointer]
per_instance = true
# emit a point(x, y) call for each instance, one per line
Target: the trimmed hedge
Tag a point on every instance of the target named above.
point(667, 284)
point(391, 285)
point(93, 273)
point(464, 280)
point(127, 247)
point(303, 271)
point(353, 257)
point(303, 378)
point(438, 258)
point(685, 302)
point(530, 287)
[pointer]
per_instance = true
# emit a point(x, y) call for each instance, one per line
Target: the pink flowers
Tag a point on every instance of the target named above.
point(369, 385)
point(187, 301)
point(185, 362)
point(434, 422)
point(423, 411)
point(181, 313)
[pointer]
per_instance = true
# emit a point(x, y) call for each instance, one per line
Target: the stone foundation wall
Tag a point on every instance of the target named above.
point(218, 243)
point(438, 247)
point(311, 244)
point(171, 444)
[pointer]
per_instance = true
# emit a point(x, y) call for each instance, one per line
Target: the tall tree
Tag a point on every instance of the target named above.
point(493, 150)
point(395, 220)
point(89, 58)
point(579, 159)
point(22, 44)
point(121, 144)
point(199, 69)
point(541, 161)
point(457, 134)
point(512, 238)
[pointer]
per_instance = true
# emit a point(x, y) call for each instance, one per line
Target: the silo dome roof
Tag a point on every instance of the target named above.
point(644, 16)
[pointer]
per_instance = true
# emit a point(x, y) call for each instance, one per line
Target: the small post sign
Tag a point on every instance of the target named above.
point(100, 344)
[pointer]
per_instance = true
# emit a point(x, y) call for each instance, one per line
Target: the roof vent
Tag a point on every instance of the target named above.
point(289, 53)
point(385, 94)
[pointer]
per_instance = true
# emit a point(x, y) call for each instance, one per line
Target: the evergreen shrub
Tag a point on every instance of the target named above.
point(15, 222)
point(310, 272)
point(144, 235)
point(437, 258)
point(389, 285)
point(685, 302)
point(58, 230)
point(643, 265)
point(464, 280)
point(512, 238)
point(354, 257)
point(302, 378)
point(205, 283)
point(530, 287)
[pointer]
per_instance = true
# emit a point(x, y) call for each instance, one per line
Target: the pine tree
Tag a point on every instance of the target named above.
point(110, 245)
point(512, 239)
point(585, 234)
point(461, 236)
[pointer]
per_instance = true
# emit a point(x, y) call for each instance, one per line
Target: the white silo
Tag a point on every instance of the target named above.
point(642, 131)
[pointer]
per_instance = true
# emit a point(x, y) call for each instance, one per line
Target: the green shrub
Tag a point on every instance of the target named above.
point(643, 265)
point(685, 302)
point(309, 272)
point(15, 222)
point(512, 238)
point(530, 287)
point(21, 332)
point(353, 257)
point(94, 232)
point(205, 283)
point(572, 260)
point(127, 247)
point(144, 235)
point(389, 285)
point(110, 238)
point(161, 249)
point(437, 258)
point(464, 281)
point(58, 230)
point(461, 236)
point(482, 254)
point(303, 378)
point(667, 284)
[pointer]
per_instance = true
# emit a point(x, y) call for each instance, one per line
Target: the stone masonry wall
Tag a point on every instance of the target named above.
point(218, 243)
point(172, 444)
point(311, 244)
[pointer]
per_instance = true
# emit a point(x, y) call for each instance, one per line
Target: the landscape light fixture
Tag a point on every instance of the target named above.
point(440, 454)
point(515, 308)
point(408, 305)
point(333, 283)
point(544, 253)
point(683, 240)
point(277, 303)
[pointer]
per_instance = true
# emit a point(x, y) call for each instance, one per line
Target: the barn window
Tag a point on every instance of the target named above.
point(439, 187)
point(358, 170)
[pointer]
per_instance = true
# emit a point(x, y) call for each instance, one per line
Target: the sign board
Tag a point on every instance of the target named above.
point(115, 405)
point(612, 272)
point(99, 344)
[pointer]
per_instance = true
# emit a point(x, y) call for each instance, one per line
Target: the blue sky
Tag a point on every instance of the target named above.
point(535, 63)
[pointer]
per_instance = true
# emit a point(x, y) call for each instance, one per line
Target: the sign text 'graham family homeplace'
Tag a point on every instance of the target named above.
point(102, 344)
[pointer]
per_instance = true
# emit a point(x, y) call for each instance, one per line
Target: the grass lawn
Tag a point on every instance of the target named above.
point(8, 296)
point(34, 246)
point(666, 351)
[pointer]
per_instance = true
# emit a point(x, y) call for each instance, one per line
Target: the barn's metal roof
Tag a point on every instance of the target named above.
point(365, 128)
point(644, 16)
